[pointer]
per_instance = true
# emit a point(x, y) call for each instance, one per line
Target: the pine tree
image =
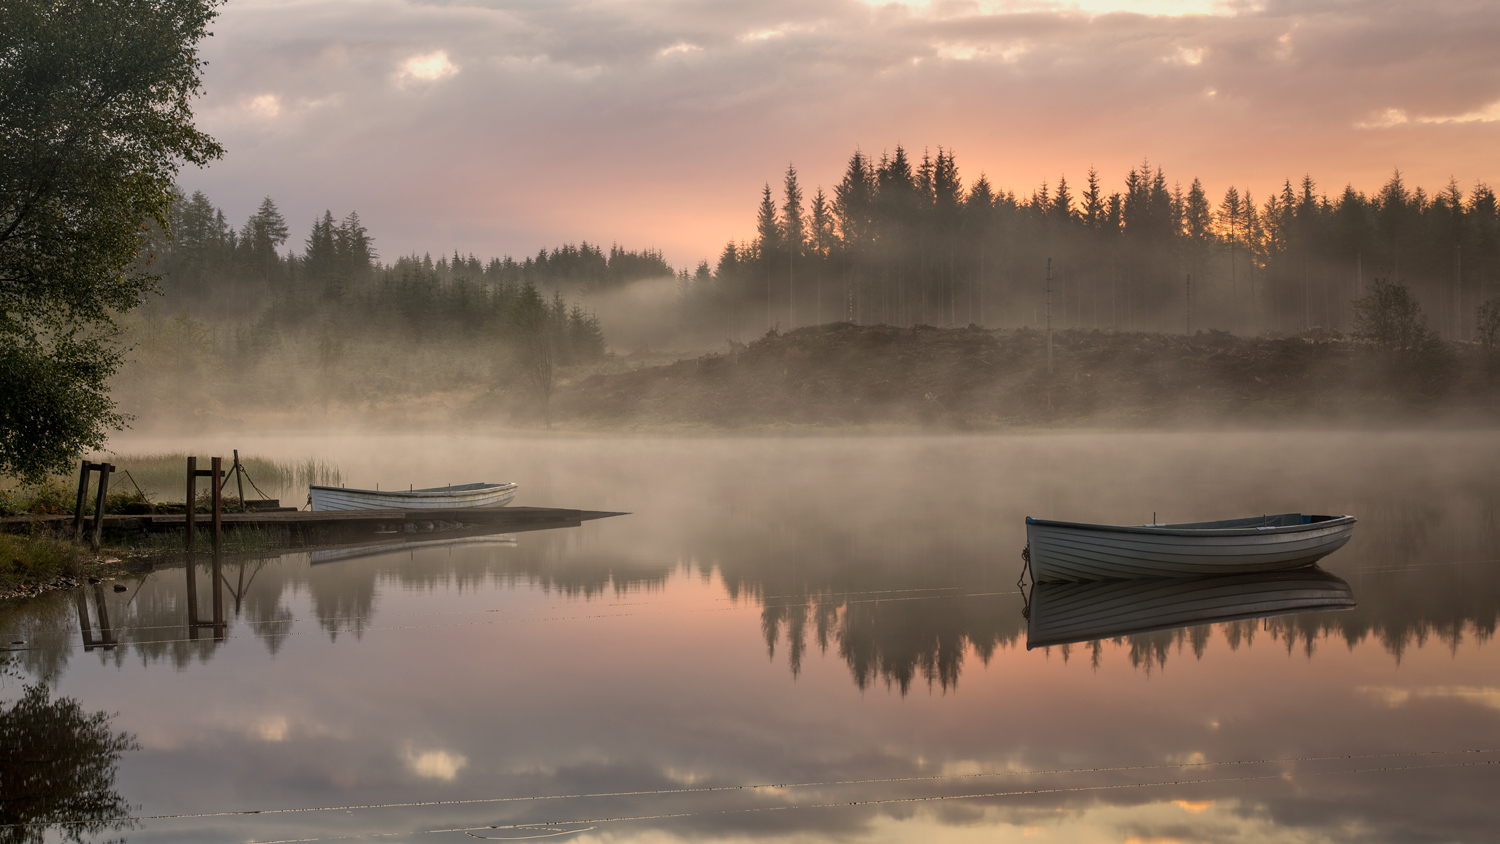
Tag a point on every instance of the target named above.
point(320, 260)
point(768, 242)
point(1093, 203)
point(794, 239)
point(1061, 209)
point(1230, 211)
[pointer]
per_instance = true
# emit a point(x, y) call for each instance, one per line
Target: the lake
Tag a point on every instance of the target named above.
point(792, 639)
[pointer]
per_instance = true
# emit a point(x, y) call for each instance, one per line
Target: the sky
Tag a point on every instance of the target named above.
point(505, 126)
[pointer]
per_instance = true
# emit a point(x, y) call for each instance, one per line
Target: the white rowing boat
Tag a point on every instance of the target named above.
point(1063, 613)
point(1074, 551)
point(462, 496)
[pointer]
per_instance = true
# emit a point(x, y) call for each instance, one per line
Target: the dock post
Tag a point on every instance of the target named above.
point(218, 500)
point(192, 495)
point(104, 469)
point(83, 497)
point(239, 480)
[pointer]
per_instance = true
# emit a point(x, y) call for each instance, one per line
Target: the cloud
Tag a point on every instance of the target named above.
point(679, 47)
point(543, 123)
point(435, 764)
point(428, 67)
point(266, 106)
point(272, 728)
point(1395, 696)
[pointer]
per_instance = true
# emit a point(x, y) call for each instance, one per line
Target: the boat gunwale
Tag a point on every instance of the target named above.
point(423, 493)
point(1269, 530)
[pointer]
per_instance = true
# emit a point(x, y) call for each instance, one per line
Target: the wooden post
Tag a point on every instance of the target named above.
point(105, 634)
point(217, 477)
point(83, 619)
point(218, 593)
point(83, 497)
point(192, 494)
point(104, 469)
point(192, 596)
point(218, 498)
point(239, 479)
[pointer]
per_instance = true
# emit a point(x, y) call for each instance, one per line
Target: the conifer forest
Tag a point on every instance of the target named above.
point(897, 241)
point(903, 242)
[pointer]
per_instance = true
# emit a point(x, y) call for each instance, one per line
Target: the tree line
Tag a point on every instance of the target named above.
point(208, 267)
point(256, 301)
point(907, 242)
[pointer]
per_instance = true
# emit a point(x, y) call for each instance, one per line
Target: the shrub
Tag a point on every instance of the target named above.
point(1390, 319)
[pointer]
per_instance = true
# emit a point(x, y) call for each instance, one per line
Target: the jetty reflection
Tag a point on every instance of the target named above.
point(1065, 613)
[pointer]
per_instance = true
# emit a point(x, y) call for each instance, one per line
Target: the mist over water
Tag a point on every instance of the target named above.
point(840, 612)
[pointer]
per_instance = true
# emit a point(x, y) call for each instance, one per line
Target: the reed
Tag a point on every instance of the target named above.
point(161, 475)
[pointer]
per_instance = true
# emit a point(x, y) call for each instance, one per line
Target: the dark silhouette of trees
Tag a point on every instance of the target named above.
point(58, 766)
point(908, 243)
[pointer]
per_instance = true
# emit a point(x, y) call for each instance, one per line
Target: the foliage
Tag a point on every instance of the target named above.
point(26, 559)
point(58, 764)
point(1390, 319)
point(334, 324)
point(50, 497)
point(95, 118)
point(1487, 326)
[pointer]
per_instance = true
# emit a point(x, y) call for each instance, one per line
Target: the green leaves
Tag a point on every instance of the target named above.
point(95, 119)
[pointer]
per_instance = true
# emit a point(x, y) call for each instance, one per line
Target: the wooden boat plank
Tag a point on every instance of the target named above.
point(1064, 551)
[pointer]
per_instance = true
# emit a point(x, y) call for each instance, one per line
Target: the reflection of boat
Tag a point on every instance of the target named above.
point(1060, 613)
point(378, 548)
point(1072, 551)
point(435, 498)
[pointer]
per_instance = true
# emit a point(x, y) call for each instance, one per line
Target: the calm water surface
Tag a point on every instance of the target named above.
point(805, 639)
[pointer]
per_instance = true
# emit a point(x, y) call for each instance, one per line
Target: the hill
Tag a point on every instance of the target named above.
point(972, 378)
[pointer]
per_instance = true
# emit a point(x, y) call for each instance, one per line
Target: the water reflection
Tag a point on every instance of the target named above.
point(1064, 613)
point(892, 625)
point(773, 619)
point(57, 766)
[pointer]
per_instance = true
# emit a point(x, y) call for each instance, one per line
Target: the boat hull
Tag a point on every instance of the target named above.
point(1066, 551)
point(437, 498)
point(1064, 613)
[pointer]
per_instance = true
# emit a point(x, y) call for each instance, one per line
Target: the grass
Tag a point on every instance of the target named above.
point(26, 560)
point(164, 475)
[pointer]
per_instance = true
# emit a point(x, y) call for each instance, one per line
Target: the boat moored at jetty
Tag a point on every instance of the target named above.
point(434, 498)
point(1063, 551)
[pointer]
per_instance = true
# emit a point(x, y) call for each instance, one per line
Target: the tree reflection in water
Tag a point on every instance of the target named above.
point(57, 766)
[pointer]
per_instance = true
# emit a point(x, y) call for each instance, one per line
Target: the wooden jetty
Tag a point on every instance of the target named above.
point(326, 525)
point(301, 527)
